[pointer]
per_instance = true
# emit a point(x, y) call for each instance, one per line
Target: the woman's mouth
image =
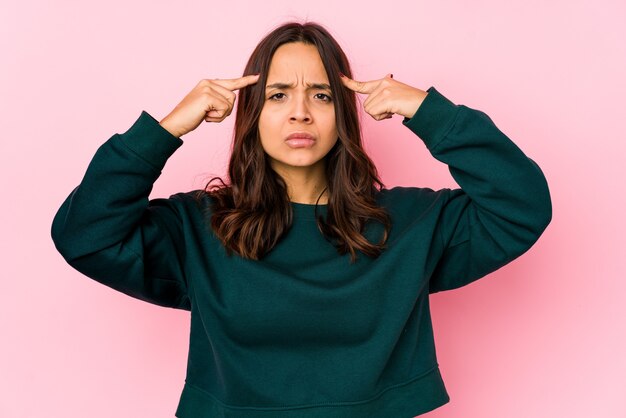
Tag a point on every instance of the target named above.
point(300, 140)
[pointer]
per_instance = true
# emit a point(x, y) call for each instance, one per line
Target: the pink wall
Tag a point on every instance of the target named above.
point(542, 337)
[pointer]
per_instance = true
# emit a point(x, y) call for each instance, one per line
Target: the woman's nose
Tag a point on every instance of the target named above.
point(300, 109)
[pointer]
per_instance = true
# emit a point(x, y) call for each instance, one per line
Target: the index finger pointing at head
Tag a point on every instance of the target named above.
point(238, 83)
point(365, 87)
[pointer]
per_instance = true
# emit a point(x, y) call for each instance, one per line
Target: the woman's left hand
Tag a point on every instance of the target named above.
point(387, 96)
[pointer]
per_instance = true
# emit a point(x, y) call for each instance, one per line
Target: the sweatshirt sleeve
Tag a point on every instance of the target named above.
point(503, 205)
point(109, 230)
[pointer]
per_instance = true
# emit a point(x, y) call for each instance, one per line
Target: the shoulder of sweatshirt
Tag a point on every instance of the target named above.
point(195, 199)
point(411, 202)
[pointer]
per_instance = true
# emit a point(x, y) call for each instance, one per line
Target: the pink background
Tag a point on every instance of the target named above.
point(544, 336)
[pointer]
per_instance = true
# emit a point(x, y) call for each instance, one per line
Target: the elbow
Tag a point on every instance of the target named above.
point(59, 231)
point(63, 247)
point(547, 217)
point(64, 239)
point(544, 209)
point(535, 206)
point(57, 235)
point(541, 216)
point(541, 203)
point(532, 222)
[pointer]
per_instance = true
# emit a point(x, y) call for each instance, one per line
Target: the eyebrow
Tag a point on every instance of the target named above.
point(310, 86)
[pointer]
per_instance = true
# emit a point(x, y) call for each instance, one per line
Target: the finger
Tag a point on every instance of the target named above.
point(383, 116)
point(379, 109)
point(380, 94)
point(213, 119)
point(365, 87)
point(215, 92)
point(224, 92)
point(218, 108)
point(373, 96)
point(217, 115)
point(238, 83)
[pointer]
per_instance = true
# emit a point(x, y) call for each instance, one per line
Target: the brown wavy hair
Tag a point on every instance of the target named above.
point(251, 213)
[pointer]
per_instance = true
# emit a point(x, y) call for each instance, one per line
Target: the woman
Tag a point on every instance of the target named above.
point(307, 280)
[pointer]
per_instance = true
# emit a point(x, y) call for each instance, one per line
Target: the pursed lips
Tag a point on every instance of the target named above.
point(300, 140)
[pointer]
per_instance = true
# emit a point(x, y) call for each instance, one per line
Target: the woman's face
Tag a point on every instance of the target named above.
point(298, 100)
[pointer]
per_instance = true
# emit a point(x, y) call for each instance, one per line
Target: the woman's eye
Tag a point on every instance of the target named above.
point(280, 96)
point(326, 98)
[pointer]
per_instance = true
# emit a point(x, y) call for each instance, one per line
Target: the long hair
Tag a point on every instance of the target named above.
point(251, 213)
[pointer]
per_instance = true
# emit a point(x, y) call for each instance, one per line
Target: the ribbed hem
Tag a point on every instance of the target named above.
point(420, 395)
point(433, 118)
point(150, 141)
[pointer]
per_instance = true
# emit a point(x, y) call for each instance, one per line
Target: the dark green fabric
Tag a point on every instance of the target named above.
point(302, 332)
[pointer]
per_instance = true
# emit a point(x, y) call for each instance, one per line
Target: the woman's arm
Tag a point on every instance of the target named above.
point(503, 205)
point(108, 229)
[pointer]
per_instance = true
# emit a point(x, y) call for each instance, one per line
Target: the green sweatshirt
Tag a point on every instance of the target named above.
point(303, 333)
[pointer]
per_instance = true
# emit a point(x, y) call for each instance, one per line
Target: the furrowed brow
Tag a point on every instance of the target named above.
point(310, 86)
point(319, 86)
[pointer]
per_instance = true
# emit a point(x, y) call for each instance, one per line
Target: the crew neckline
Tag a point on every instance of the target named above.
point(309, 204)
point(307, 210)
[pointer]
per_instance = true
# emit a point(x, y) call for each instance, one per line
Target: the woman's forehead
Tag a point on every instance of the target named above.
point(297, 63)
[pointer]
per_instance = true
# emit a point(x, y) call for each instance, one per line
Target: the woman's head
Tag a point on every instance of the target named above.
point(256, 115)
point(298, 101)
point(253, 211)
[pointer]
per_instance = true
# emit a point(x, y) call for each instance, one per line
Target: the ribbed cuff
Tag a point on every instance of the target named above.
point(433, 118)
point(152, 142)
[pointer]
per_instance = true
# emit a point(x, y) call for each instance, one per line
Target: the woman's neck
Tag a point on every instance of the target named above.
point(305, 184)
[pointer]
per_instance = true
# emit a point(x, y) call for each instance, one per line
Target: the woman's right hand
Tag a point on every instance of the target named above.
point(211, 100)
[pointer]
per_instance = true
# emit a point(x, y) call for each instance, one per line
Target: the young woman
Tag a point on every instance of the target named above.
point(307, 280)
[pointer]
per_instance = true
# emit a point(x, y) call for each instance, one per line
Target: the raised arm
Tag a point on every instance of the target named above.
point(108, 229)
point(503, 205)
